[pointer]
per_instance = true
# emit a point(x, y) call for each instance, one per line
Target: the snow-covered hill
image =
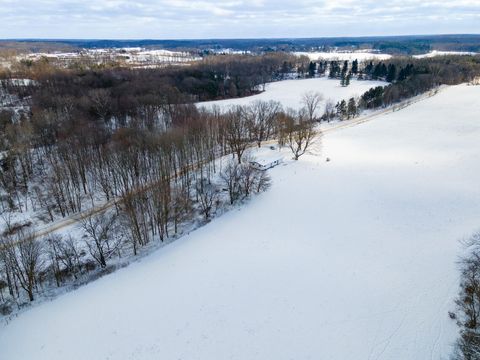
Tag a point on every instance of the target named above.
point(348, 259)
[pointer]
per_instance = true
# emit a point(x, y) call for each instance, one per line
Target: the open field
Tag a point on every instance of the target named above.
point(345, 55)
point(289, 92)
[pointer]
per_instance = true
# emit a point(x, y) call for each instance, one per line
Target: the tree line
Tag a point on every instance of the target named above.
point(409, 77)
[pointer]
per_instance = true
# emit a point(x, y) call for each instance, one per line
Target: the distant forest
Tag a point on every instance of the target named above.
point(404, 45)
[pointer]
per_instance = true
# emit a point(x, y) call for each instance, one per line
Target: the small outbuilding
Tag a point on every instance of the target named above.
point(266, 163)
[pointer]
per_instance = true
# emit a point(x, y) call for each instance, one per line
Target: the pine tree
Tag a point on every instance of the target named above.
point(355, 66)
point(347, 79)
point(369, 69)
point(312, 67)
point(391, 73)
point(334, 69)
point(345, 66)
point(341, 109)
point(352, 109)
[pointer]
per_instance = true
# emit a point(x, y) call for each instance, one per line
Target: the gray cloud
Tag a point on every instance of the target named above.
point(233, 18)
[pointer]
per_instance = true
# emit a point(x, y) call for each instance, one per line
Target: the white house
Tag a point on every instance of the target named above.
point(266, 162)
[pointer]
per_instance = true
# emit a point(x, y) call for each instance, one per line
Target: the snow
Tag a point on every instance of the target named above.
point(348, 259)
point(289, 92)
point(266, 156)
point(442, 53)
point(156, 56)
point(359, 55)
point(136, 55)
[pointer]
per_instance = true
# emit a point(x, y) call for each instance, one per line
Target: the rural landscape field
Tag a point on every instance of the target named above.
point(202, 184)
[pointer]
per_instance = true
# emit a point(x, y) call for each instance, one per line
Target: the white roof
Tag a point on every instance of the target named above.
point(265, 155)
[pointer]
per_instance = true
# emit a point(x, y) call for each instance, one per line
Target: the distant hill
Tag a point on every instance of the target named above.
point(407, 45)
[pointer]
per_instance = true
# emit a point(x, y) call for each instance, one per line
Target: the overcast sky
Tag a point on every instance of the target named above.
point(177, 19)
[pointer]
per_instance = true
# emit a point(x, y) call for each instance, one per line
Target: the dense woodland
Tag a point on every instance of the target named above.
point(77, 137)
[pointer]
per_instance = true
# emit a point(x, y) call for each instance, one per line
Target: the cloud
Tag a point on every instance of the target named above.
point(234, 18)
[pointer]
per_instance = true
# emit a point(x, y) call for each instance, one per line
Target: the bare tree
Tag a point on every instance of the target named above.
point(70, 255)
point(236, 131)
point(329, 113)
point(25, 259)
point(230, 176)
point(311, 101)
point(261, 117)
point(263, 182)
point(297, 132)
point(247, 178)
point(468, 302)
point(181, 206)
point(101, 241)
point(53, 243)
point(207, 197)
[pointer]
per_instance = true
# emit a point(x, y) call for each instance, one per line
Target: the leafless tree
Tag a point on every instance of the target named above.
point(236, 131)
point(207, 197)
point(53, 243)
point(101, 241)
point(181, 206)
point(230, 176)
point(311, 101)
point(70, 255)
point(329, 113)
point(468, 302)
point(25, 259)
point(261, 116)
point(298, 132)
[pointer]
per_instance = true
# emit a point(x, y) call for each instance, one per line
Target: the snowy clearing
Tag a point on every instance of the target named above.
point(442, 53)
point(359, 55)
point(289, 92)
point(348, 259)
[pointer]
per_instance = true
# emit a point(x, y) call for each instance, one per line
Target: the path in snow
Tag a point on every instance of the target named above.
point(348, 259)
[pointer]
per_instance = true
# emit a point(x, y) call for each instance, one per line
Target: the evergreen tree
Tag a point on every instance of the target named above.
point(345, 67)
point(347, 79)
point(352, 109)
point(285, 69)
point(369, 69)
point(379, 71)
point(334, 69)
point(312, 67)
point(355, 66)
point(384, 70)
point(341, 109)
point(405, 72)
point(391, 73)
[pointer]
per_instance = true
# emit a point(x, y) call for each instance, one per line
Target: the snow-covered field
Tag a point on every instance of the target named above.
point(348, 259)
point(364, 55)
point(359, 55)
point(133, 56)
point(442, 53)
point(289, 92)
